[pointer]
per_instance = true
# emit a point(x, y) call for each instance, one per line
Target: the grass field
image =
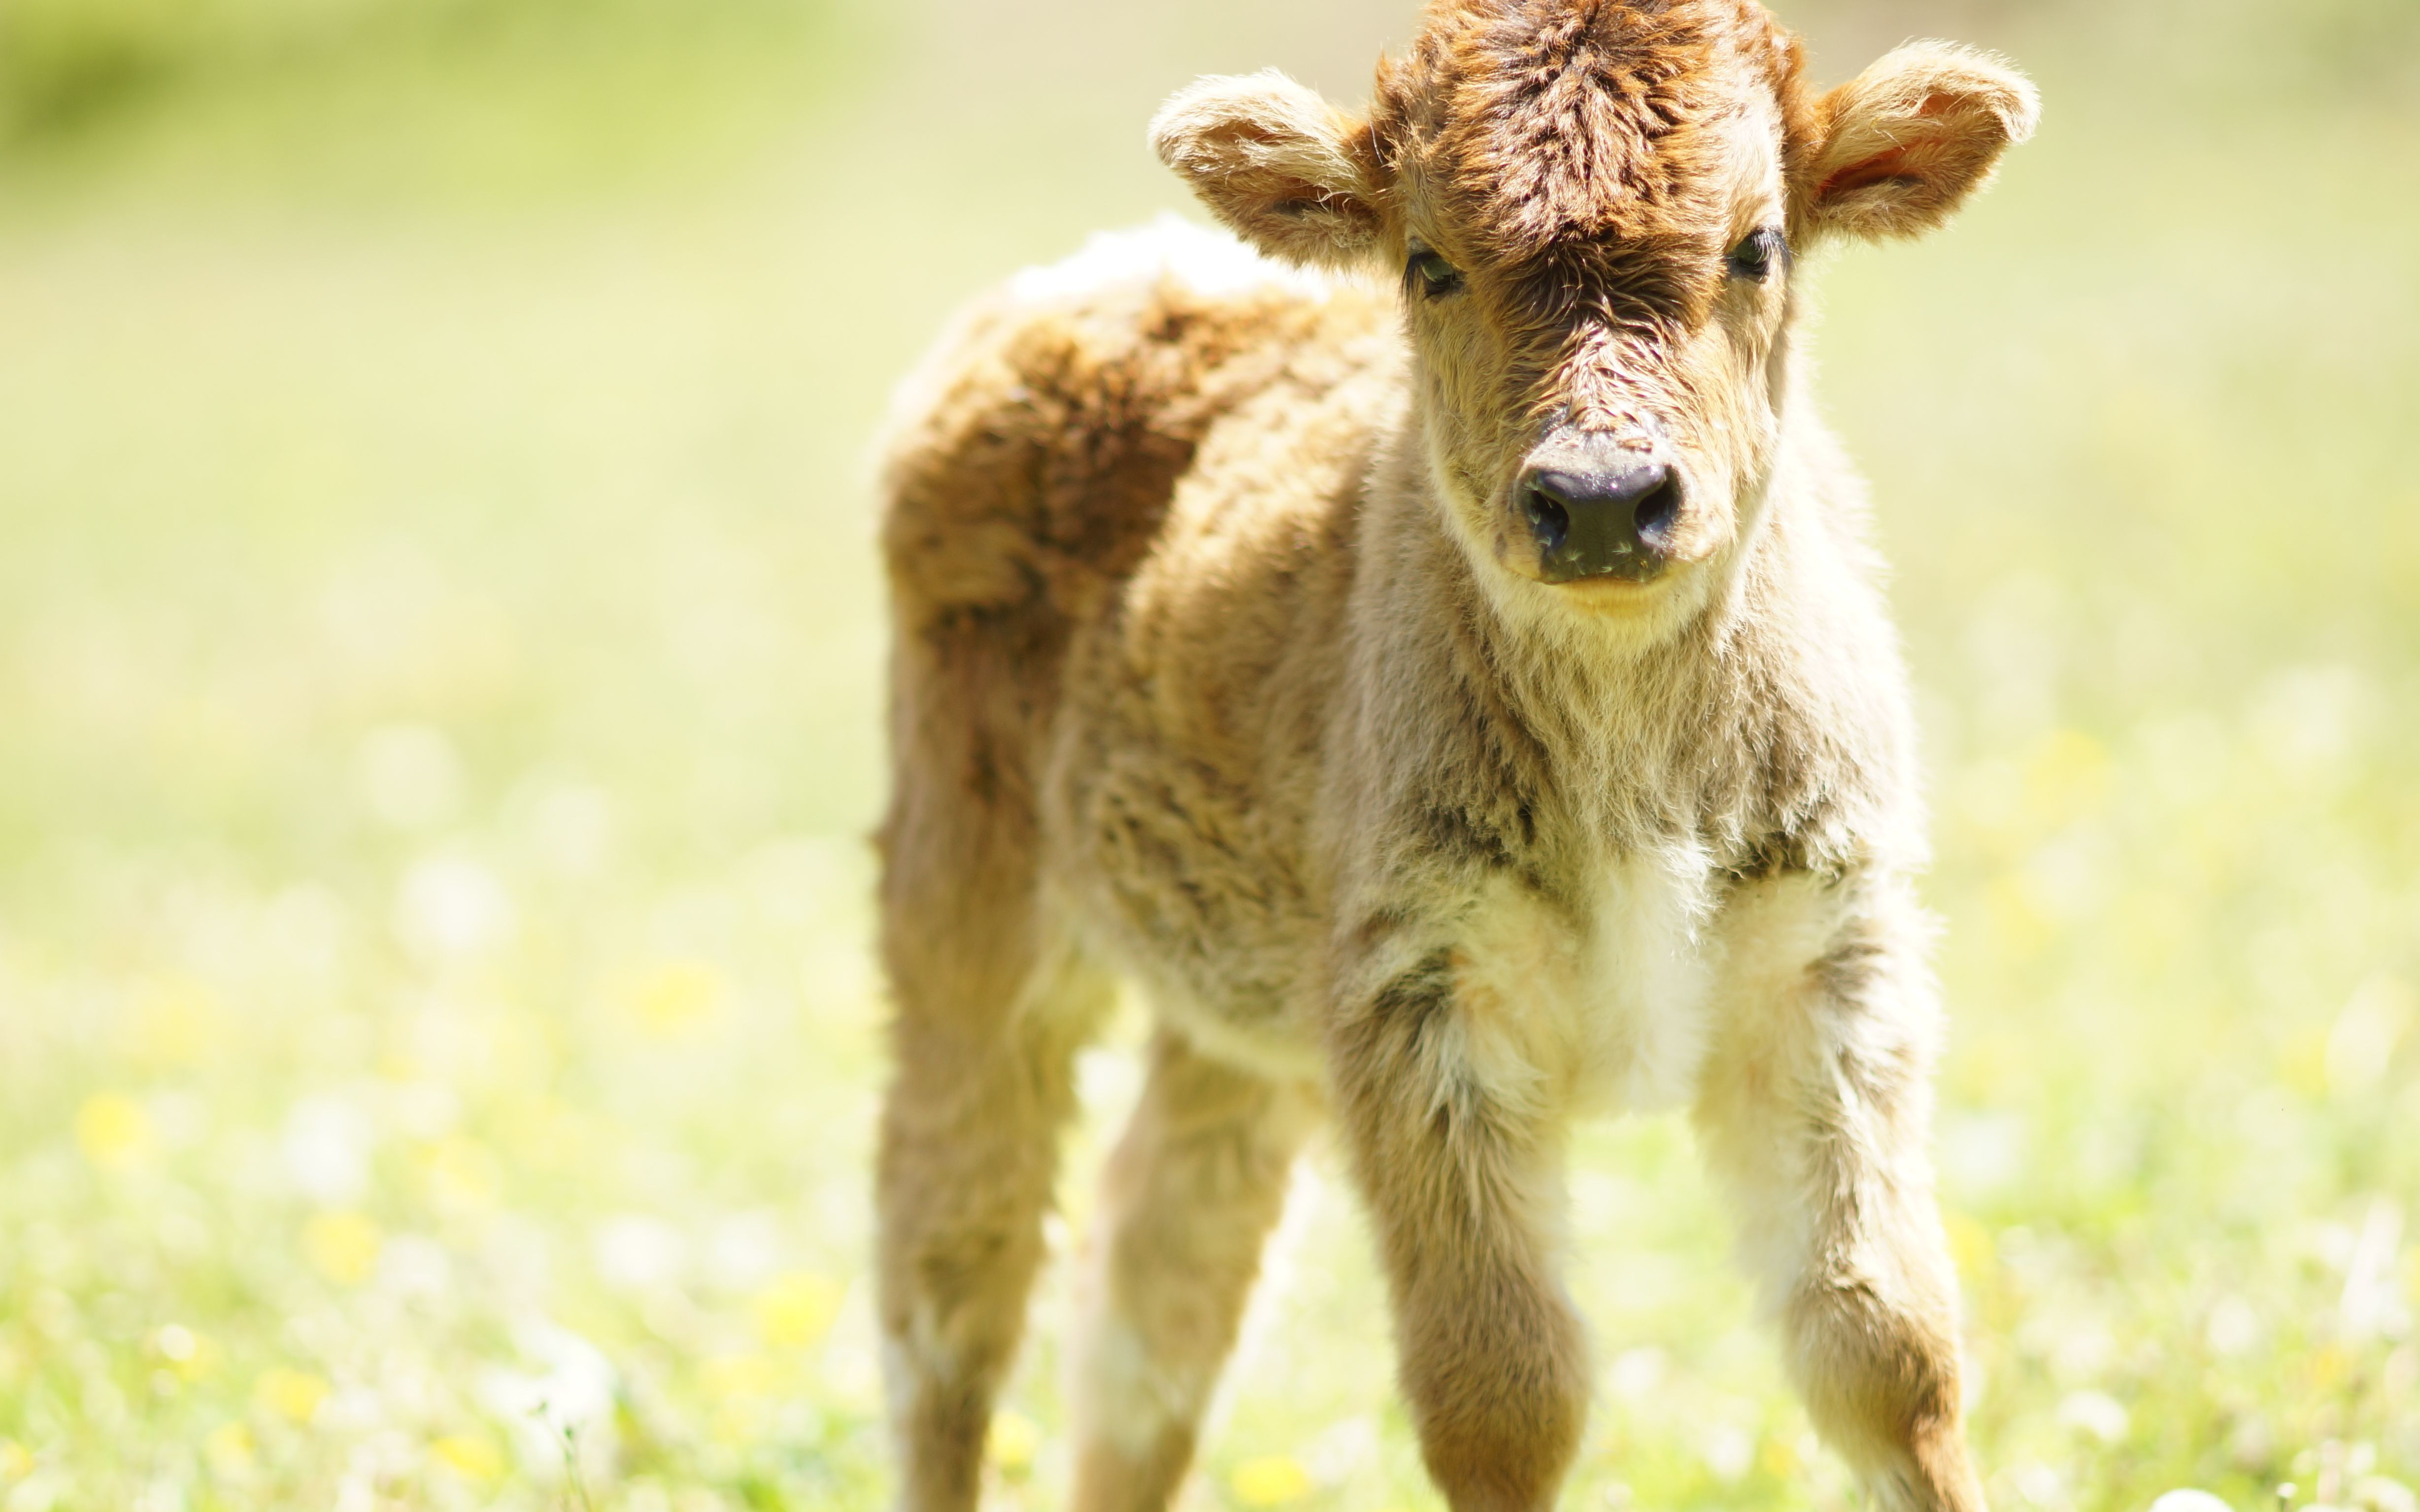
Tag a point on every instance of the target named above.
point(439, 649)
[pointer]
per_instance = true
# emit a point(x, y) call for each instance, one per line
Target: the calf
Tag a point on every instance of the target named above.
point(1461, 701)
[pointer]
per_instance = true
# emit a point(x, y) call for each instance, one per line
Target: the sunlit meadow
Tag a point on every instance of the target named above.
point(440, 652)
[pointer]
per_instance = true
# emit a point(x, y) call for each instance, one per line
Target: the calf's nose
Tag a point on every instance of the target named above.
point(1613, 519)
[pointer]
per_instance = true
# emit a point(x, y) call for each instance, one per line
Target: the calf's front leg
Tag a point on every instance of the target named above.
point(1814, 1110)
point(1463, 1184)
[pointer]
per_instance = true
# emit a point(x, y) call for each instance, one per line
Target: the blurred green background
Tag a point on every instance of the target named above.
point(438, 716)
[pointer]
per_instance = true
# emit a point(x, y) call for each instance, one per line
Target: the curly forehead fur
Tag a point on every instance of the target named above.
point(1538, 122)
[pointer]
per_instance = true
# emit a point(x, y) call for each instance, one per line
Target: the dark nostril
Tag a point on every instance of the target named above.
point(1549, 522)
point(1657, 513)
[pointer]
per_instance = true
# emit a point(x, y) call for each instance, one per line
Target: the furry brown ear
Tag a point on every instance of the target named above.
point(1287, 170)
point(1901, 146)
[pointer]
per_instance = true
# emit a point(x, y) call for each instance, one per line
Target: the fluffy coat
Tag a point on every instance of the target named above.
point(1224, 662)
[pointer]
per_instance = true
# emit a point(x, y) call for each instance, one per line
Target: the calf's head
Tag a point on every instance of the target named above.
point(1596, 208)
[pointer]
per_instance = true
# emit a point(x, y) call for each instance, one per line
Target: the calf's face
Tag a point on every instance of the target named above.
point(1596, 208)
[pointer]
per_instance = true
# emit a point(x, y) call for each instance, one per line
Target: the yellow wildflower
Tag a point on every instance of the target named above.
point(742, 1388)
point(228, 1449)
point(794, 1310)
point(729, 1376)
point(1779, 1458)
point(2328, 1366)
point(1971, 1246)
point(1271, 1480)
point(342, 1245)
point(292, 1395)
point(678, 999)
point(2303, 1064)
point(1013, 1443)
point(473, 1457)
point(112, 1131)
point(175, 1022)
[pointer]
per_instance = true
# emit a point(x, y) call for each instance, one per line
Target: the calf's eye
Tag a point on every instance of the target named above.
point(1429, 274)
point(1758, 253)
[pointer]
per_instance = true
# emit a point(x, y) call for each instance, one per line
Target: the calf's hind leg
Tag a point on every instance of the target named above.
point(964, 1176)
point(987, 1020)
point(1196, 1183)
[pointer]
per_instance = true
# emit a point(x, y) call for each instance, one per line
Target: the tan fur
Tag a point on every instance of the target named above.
point(1219, 666)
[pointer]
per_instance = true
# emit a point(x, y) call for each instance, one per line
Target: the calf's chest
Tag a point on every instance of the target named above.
point(1615, 1006)
point(1604, 1002)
